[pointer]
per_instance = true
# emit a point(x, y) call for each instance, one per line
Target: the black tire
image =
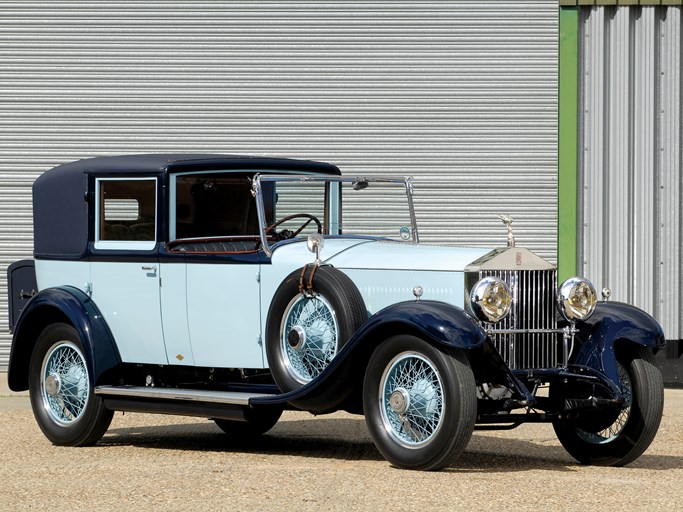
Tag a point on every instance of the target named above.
point(63, 401)
point(632, 429)
point(258, 421)
point(305, 331)
point(420, 403)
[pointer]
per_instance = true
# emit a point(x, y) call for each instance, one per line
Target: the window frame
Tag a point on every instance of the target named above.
point(173, 198)
point(135, 245)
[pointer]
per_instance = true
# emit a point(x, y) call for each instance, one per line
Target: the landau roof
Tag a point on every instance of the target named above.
point(60, 207)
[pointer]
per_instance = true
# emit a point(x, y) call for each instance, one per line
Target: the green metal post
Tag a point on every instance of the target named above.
point(568, 130)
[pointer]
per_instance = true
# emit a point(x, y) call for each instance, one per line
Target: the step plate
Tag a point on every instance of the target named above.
point(190, 395)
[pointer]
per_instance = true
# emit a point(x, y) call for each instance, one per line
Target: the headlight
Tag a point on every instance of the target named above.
point(577, 298)
point(490, 299)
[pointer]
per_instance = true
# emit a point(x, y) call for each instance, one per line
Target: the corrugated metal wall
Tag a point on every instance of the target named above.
point(462, 95)
point(631, 168)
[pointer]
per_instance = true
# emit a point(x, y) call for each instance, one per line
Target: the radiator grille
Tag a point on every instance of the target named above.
point(533, 307)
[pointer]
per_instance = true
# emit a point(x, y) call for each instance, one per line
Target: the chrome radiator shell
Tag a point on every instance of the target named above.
point(533, 308)
point(534, 341)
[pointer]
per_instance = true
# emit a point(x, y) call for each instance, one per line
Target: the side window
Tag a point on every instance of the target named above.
point(206, 205)
point(126, 213)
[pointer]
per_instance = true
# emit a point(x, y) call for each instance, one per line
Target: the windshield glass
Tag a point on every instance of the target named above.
point(343, 206)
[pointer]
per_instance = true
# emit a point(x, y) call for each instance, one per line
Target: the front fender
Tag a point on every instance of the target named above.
point(612, 324)
point(61, 304)
point(436, 322)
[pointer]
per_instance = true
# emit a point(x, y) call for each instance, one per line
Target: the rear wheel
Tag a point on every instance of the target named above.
point(420, 403)
point(626, 434)
point(63, 401)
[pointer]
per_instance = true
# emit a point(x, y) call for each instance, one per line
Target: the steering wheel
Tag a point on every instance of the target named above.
point(286, 233)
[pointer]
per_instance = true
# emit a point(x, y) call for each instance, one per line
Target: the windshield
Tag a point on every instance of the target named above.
point(380, 207)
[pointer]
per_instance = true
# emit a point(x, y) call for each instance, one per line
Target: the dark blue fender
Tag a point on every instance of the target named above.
point(439, 322)
point(436, 322)
point(611, 324)
point(62, 304)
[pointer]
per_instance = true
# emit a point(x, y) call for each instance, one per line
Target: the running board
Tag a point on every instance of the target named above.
point(175, 394)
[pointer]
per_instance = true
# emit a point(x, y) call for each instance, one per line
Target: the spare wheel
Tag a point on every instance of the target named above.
point(313, 314)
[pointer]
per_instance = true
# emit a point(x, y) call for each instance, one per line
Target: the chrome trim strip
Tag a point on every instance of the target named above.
point(525, 331)
point(260, 213)
point(191, 395)
point(411, 207)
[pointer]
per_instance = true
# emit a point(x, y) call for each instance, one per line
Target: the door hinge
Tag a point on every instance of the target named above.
point(88, 289)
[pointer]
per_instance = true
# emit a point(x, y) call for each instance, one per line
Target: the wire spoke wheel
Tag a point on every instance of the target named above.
point(64, 404)
point(64, 386)
point(313, 314)
point(420, 402)
point(617, 438)
point(411, 395)
point(309, 337)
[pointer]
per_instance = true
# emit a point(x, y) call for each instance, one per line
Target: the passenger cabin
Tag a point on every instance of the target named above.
point(152, 203)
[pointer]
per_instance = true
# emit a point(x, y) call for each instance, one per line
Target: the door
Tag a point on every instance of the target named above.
point(223, 312)
point(124, 269)
point(210, 292)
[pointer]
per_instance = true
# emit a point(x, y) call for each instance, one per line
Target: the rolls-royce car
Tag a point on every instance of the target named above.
point(234, 288)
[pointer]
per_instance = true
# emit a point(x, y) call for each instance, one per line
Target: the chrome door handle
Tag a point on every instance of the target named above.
point(153, 268)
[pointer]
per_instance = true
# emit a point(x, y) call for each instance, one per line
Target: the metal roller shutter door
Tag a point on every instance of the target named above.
point(461, 95)
point(632, 226)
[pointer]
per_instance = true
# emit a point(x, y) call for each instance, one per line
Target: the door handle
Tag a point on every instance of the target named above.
point(151, 269)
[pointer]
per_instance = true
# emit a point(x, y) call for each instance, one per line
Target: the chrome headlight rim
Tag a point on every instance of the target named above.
point(577, 299)
point(490, 299)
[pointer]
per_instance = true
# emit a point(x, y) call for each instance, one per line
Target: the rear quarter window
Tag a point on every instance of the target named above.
point(126, 213)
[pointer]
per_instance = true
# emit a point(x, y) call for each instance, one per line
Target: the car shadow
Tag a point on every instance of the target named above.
point(348, 439)
point(343, 439)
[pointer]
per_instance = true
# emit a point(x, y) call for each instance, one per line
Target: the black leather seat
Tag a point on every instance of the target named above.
point(217, 246)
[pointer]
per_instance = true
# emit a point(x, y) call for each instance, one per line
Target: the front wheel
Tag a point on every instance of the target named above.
point(420, 403)
point(627, 434)
point(63, 401)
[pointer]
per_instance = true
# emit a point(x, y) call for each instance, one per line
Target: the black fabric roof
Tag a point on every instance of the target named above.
point(60, 210)
point(133, 164)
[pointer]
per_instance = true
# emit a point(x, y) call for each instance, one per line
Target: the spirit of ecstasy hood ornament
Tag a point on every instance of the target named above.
point(507, 220)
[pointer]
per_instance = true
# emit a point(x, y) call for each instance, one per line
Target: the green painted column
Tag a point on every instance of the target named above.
point(568, 132)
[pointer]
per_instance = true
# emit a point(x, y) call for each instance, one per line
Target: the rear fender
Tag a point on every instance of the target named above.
point(440, 324)
point(614, 325)
point(61, 304)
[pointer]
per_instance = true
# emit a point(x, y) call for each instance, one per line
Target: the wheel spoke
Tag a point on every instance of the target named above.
point(612, 432)
point(314, 317)
point(66, 369)
point(418, 378)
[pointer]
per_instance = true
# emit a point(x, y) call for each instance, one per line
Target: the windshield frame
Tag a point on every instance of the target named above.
point(257, 192)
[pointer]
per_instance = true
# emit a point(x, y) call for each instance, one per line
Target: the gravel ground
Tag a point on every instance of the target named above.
point(152, 462)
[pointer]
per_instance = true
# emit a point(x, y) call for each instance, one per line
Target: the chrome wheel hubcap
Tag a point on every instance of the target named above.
point(399, 401)
point(297, 338)
point(53, 384)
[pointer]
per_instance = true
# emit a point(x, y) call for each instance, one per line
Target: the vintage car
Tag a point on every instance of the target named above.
point(233, 288)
